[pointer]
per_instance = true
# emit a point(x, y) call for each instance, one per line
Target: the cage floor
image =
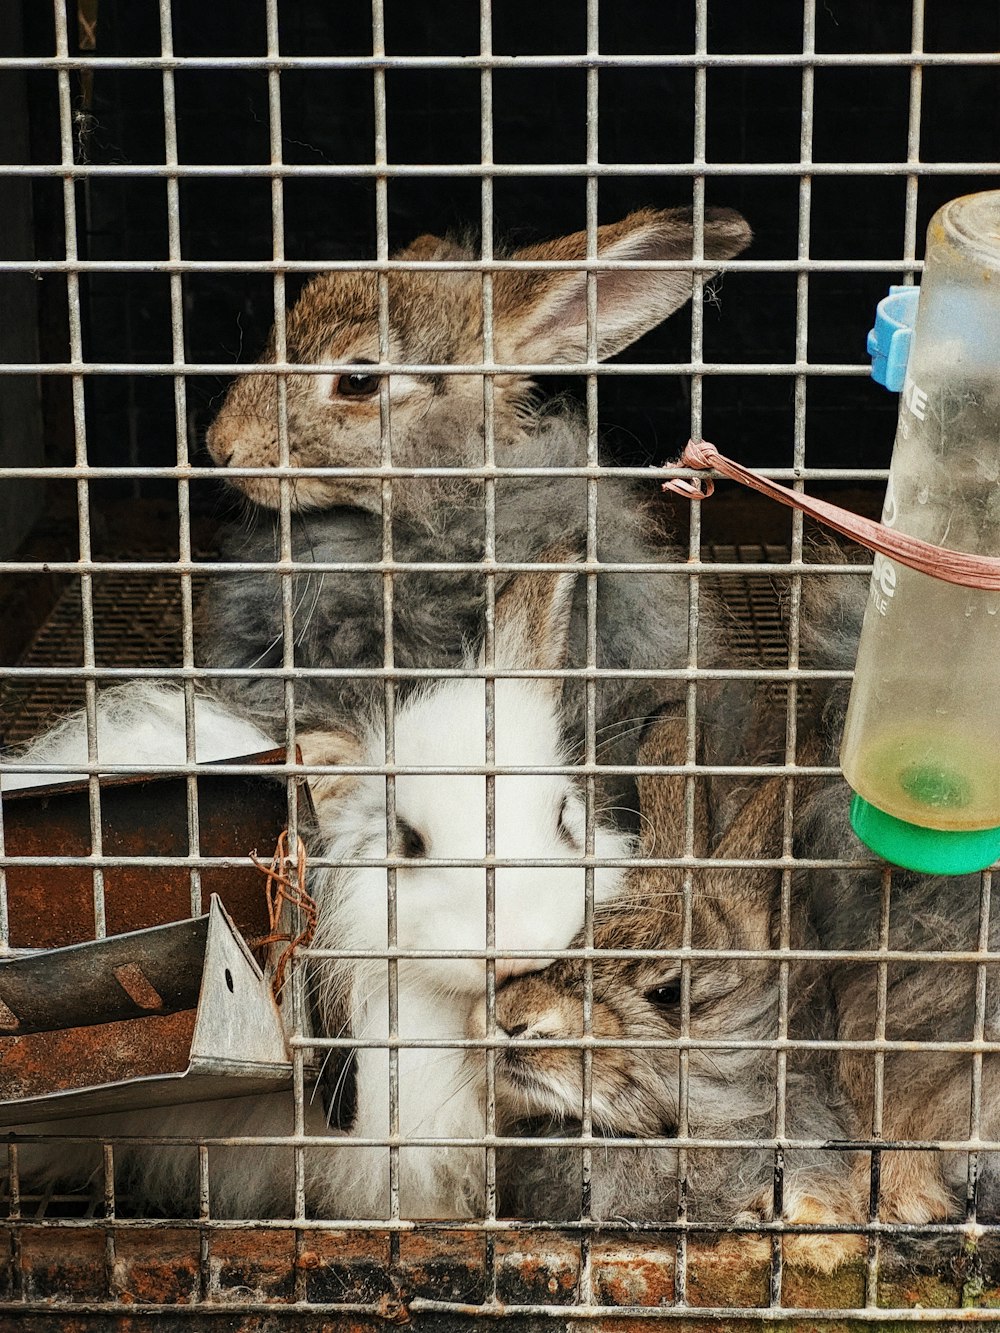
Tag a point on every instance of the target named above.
point(279, 1276)
point(138, 622)
point(752, 601)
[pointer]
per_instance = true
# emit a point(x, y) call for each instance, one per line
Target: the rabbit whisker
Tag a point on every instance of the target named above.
point(278, 638)
point(622, 726)
point(465, 1083)
point(311, 581)
point(328, 1056)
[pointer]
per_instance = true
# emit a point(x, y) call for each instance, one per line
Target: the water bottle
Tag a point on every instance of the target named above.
point(921, 746)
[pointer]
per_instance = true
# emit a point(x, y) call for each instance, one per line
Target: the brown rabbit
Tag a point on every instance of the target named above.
point(339, 619)
point(635, 1091)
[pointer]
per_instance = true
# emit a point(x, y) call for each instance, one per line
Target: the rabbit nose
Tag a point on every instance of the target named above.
point(222, 453)
point(220, 443)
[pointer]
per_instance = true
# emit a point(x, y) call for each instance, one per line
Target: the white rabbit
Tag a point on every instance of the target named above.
point(537, 817)
point(538, 907)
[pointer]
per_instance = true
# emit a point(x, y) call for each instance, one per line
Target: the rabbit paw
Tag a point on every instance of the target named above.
point(911, 1188)
point(821, 1253)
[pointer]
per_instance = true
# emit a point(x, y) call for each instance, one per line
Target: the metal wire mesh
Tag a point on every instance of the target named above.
point(125, 611)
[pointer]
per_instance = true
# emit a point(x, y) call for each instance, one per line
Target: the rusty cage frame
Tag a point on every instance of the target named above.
point(99, 1265)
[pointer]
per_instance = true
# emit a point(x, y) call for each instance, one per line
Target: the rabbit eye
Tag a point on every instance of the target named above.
point(358, 385)
point(409, 842)
point(667, 996)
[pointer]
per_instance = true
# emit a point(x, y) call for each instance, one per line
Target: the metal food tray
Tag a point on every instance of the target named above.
point(176, 1013)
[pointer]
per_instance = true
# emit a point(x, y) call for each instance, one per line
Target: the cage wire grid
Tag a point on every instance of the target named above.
point(676, 1234)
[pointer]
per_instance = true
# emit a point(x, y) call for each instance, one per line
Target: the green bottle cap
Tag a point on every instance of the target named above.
point(933, 851)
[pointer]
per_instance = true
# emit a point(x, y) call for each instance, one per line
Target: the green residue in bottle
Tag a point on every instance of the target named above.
point(936, 786)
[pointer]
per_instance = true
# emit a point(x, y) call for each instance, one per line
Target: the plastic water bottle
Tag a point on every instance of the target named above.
point(921, 745)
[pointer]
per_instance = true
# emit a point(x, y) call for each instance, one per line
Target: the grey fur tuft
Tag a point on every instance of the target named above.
point(642, 619)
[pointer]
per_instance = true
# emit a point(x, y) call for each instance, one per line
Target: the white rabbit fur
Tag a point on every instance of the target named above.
point(538, 907)
point(141, 722)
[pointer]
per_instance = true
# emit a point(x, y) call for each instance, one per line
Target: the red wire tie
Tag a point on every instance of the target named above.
point(940, 562)
point(280, 889)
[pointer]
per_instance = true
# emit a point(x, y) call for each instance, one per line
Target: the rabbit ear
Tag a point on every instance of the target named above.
point(662, 796)
point(532, 618)
point(543, 316)
point(329, 747)
point(754, 833)
point(428, 247)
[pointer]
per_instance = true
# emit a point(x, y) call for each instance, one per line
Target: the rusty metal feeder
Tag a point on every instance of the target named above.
point(176, 1013)
point(141, 817)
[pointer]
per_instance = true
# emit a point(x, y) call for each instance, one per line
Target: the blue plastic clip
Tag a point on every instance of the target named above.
point(889, 340)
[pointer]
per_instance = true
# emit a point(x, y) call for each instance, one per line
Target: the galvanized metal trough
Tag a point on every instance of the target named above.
point(176, 1013)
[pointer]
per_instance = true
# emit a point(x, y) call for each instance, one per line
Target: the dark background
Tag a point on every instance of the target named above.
point(646, 116)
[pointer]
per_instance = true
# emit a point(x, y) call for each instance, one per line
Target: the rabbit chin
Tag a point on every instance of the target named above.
point(526, 1091)
point(309, 494)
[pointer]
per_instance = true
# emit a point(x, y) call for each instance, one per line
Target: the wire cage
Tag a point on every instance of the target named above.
point(173, 177)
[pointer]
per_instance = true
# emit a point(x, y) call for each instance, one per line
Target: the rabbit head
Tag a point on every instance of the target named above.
point(537, 816)
point(436, 318)
point(638, 997)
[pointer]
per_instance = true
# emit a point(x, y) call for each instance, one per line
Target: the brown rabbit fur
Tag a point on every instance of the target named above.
point(927, 1094)
point(339, 617)
point(436, 318)
point(635, 1093)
